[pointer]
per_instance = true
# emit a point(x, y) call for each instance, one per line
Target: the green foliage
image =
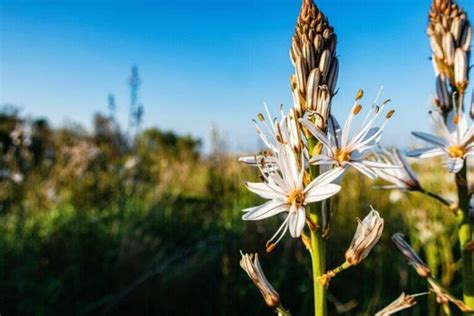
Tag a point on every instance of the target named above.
point(97, 225)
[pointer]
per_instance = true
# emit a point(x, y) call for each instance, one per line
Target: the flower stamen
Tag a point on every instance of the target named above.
point(342, 156)
point(457, 151)
point(296, 198)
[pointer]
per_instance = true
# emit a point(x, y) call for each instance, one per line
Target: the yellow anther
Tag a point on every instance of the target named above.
point(356, 109)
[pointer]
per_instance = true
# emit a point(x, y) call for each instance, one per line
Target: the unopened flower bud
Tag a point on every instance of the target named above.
point(333, 74)
point(313, 89)
point(449, 48)
point(251, 265)
point(471, 112)
point(466, 37)
point(367, 235)
point(436, 47)
point(413, 259)
point(444, 97)
point(460, 69)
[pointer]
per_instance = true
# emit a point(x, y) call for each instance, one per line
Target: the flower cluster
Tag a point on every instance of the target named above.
point(450, 35)
point(285, 166)
point(306, 153)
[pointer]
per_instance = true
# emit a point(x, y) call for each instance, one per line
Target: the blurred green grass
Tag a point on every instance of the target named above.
point(99, 226)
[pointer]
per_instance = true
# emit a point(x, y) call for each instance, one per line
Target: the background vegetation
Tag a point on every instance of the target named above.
point(102, 222)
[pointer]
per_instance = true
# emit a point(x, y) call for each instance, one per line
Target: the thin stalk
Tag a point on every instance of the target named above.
point(318, 249)
point(281, 311)
point(446, 310)
point(341, 268)
point(436, 197)
point(465, 236)
point(432, 258)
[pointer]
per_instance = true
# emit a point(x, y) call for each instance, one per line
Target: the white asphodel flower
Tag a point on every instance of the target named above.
point(403, 178)
point(286, 192)
point(342, 150)
point(455, 142)
point(274, 133)
point(284, 131)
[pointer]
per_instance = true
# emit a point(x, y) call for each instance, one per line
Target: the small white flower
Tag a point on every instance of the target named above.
point(403, 178)
point(285, 131)
point(287, 193)
point(342, 150)
point(455, 142)
point(265, 161)
point(273, 135)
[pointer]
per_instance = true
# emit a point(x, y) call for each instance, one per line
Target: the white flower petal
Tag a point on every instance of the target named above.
point(265, 190)
point(325, 178)
point(265, 210)
point(317, 158)
point(288, 166)
point(359, 139)
point(249, 160)
point(316, 132)
point(364, 169)
point(319, 193)
point(430, 138)
point(454, 165)
point(297, 221)
point(381, 165)
point(428, 152)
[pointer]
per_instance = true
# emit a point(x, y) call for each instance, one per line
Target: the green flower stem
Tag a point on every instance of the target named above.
point(465, 228)
point(318, 248)
point(436, 197)
point(432, 258)
point(340, 268)
point(281, 311)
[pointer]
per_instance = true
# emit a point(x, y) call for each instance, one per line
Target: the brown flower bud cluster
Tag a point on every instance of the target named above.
point(450, 34)
point(313, 54)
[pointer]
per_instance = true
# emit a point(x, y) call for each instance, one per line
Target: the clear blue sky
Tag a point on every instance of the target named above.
point(206, 61)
